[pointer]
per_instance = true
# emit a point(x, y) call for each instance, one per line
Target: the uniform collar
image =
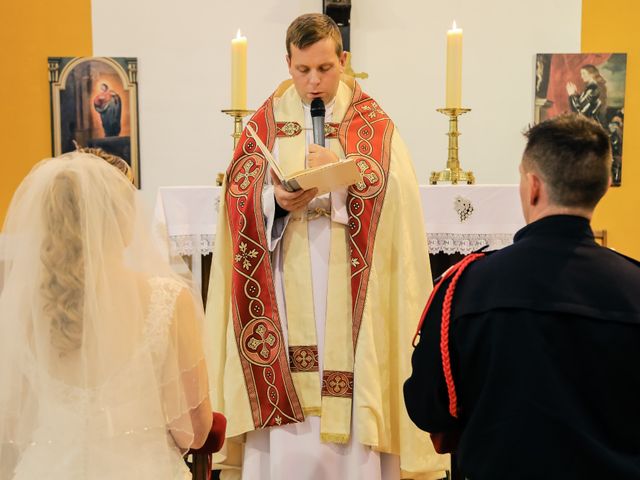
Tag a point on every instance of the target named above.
point(572, 226)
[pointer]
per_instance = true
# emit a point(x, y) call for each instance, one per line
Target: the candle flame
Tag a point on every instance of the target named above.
point(454, 27)
point(238, 35)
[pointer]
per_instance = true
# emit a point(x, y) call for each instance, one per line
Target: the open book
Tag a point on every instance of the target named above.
point(325, 178)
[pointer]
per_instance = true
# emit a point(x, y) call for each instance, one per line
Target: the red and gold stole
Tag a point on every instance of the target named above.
point(365, 134)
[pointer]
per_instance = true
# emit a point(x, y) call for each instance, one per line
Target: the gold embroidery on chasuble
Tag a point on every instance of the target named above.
point(337, 384)
point(288, 129)
point(303, 358)
point(331, 130)
point(292, 129)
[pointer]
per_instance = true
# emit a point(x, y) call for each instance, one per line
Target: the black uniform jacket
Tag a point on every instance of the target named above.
point(545, 352)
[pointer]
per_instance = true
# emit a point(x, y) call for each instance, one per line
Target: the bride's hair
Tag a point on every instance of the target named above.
point(62, 256)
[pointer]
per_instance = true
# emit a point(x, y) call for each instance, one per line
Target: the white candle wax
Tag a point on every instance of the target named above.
point(239, 72)
point(454, 68)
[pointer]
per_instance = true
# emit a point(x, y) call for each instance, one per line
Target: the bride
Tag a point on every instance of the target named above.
point(102, 371)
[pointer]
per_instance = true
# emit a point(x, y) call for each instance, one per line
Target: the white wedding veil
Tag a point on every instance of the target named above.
point(101, 358)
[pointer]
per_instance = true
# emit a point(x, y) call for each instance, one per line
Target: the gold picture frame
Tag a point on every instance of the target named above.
point(94, 103)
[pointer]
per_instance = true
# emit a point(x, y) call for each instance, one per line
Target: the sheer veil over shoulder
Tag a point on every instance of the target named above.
point(102, 371)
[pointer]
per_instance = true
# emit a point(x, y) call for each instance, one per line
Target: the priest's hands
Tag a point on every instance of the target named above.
point(291, 201)
point(319, 156)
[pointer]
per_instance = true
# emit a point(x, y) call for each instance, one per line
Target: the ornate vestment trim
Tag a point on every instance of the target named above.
point(288, 129)
point(337, 384)
point(331, 130)
point(292, 129)
point(371, 146)
point(303, 358)
point(256, 321)
point(365, 134)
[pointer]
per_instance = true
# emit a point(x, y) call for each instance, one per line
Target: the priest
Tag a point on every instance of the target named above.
point(313, 298)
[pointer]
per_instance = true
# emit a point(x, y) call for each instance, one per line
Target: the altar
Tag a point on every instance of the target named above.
point(458, 219)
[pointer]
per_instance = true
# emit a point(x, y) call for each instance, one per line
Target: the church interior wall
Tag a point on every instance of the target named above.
point(184, 73)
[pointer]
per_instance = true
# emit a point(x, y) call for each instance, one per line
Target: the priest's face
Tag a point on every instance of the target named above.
point(316, 70)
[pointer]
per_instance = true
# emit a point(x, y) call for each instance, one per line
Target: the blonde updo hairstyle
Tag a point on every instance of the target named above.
point(62, 253)
point(62, 257)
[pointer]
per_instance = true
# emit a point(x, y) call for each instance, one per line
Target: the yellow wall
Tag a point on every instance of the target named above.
point(30, 31)
point(609, 26)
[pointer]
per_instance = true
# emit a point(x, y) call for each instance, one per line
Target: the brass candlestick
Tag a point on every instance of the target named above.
point(453, 173)
point(238, 125)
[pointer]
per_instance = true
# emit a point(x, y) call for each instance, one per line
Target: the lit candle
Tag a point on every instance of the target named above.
point(454, 67)
point(239, 72)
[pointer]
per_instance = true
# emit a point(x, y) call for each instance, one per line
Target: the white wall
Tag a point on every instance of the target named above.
point(184, 70)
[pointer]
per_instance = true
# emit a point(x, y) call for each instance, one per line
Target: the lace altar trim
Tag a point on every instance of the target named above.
point(438, 243)
point(465, 243)
point(186, 244)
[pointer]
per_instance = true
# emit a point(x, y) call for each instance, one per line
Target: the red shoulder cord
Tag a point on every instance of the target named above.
point(456, 272)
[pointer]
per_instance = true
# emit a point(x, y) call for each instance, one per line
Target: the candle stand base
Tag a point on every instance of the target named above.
point(237, 115)
point(453, 173)
point(452, 176)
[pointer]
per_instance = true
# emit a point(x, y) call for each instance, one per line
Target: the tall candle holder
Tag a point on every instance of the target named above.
point(238, 125)
point(453, 173)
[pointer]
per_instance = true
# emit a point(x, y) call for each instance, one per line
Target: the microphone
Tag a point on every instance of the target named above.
point(317, 119)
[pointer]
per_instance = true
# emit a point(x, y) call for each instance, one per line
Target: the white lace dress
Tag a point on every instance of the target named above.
point(76, 440)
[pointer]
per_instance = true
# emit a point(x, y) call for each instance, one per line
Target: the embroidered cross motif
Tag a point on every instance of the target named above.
point(246, 175)
point(372, 177)
point(337, 384)
point(303, 358)
point(245, 255)
point(262, 340)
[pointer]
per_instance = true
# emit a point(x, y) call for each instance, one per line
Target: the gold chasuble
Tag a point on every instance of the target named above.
point(379, 280)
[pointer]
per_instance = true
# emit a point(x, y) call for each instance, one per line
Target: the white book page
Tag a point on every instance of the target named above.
point(273, 163)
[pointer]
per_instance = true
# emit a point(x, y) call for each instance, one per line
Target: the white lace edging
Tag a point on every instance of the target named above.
point(187, 244)
point(448, 243)
point(465, 243)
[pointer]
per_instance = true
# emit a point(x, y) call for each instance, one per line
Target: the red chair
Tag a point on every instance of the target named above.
point(201, 467)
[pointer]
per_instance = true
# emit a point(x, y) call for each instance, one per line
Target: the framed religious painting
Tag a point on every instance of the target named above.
point(94, 103)
point(592, 84)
